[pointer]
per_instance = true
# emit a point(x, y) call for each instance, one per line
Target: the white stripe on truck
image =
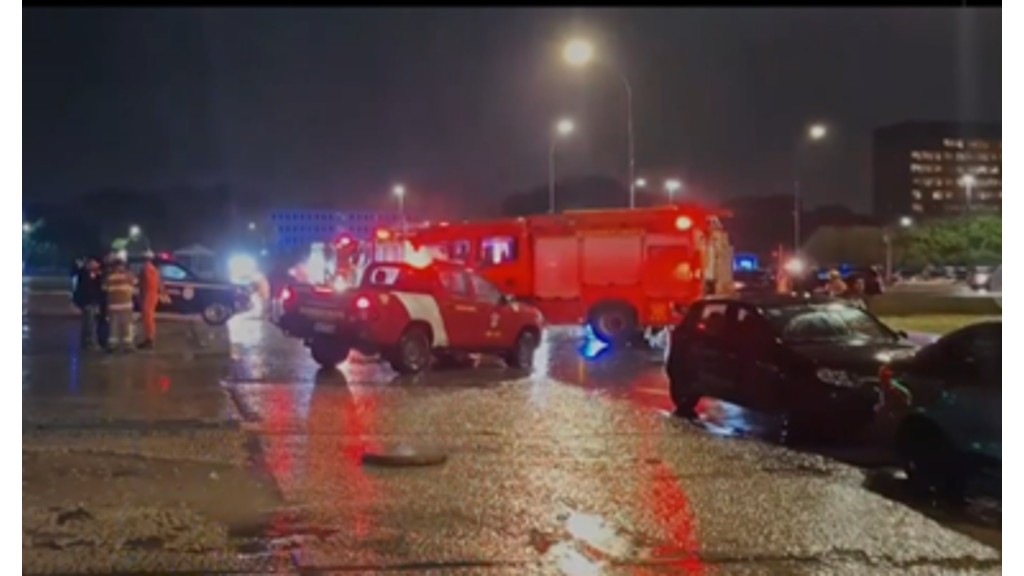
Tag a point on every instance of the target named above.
point(424, 308)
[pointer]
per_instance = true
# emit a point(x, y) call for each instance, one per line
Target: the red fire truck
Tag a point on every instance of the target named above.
point(620, 271)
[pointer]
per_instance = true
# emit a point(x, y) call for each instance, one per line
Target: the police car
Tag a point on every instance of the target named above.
point(411, 315)
point(215, 301)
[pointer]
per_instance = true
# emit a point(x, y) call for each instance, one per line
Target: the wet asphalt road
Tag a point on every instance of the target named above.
point(226, 451)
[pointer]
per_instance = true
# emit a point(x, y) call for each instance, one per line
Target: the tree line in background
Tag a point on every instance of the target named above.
point(55, 233)
point(970, 240)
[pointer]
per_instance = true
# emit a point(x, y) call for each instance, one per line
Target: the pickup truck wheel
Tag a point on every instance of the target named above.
point(521, 355)
point(328, 352)
point(412, 355)
point(216, 314)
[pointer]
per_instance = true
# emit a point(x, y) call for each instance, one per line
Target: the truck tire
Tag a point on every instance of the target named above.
point(613, 322)
point(413, 354)
point(328, 352)
point(521, 355)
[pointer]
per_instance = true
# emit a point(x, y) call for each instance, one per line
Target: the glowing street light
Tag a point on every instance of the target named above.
point(580, 52)
point(641, 183)
point(26, 227)
point(134, 231)
point(817, 131)
point(399, 191)
point(906, 222)
point(563, 128)
point(252, 226)
point(672, 185)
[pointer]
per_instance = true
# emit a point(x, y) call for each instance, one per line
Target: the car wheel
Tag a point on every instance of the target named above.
point(613, 322)
point(328, 352)
point(413, 353)
point(931, 463)
point(216, 314)
point(521, 355)
point(680, 386)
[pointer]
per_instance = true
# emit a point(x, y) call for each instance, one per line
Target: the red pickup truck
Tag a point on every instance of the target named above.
point(411, 315)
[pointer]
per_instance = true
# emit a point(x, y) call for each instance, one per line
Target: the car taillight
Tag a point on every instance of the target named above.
point(885, 377)
point(286, 294)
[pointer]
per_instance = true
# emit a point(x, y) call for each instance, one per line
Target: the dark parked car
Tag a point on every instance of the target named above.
point(952, 429)
point(814, 360)
point(215, 301)
point(751, 281)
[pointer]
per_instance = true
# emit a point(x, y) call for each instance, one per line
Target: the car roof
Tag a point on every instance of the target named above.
point(773, 300)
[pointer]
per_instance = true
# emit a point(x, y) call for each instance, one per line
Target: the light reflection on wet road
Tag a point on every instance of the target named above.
point(572, 469)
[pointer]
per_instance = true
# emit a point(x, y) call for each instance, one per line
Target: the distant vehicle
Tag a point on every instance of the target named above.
point(980, 278)
point(619, 271)
point(814, 360)
point(215, 301)
point(409, 313)
point(752, 281)
point(951, 430)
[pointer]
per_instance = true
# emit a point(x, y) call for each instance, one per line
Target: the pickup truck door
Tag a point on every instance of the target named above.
point(500, 320)
point(463, 317)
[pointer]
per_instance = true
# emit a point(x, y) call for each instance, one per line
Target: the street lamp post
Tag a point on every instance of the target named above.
point(904, 222)
point(814, 133)
point(579, 53)
point(563, 128)
point(672, 186)
point(399, 192)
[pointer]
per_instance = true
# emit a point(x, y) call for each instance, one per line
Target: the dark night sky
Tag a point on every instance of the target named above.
point(315, 105)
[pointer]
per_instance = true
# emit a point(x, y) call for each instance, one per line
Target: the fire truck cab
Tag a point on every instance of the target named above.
point(619, 271)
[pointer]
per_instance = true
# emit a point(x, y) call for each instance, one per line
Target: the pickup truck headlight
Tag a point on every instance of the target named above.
point(839, 378)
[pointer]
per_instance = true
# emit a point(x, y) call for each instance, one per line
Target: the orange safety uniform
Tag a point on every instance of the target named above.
point(151, 291)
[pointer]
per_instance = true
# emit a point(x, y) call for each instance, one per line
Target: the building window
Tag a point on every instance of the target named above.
point(937, 195)
point(917, 207)
point(952, 143)
point(915, 194)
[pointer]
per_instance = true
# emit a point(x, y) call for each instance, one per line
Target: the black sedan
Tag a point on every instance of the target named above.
point(815, 361)
point(216, 301)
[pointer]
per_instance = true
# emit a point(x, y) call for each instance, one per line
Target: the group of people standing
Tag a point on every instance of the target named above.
point(104, 293)
point(856, 287)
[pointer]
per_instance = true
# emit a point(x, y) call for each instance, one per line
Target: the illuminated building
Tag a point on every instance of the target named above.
point(298, 229)
point(934, 169)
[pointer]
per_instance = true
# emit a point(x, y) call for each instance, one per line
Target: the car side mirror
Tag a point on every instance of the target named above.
point(903, 334)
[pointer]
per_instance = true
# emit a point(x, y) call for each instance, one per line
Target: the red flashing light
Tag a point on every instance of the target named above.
point(383, 235)
point(362, 303)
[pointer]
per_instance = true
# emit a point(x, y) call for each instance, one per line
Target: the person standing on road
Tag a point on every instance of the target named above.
point(873, 283)
point(87, 297)
point(835, 285)
point(119, 285)
point(152, 292)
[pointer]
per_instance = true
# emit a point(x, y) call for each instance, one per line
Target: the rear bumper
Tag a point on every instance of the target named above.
point(304, 327)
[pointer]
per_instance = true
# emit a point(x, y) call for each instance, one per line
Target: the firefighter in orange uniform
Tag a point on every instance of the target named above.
point(151, 294)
